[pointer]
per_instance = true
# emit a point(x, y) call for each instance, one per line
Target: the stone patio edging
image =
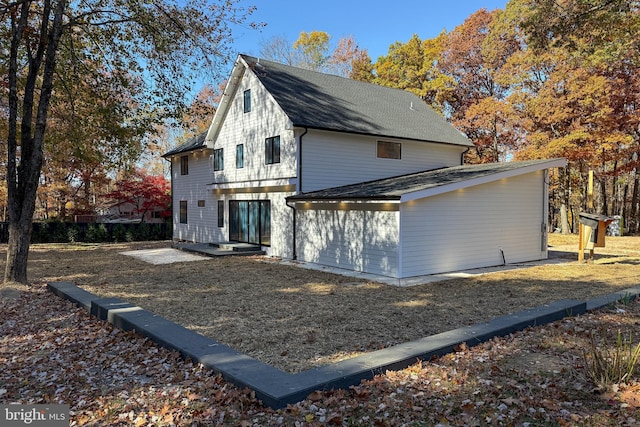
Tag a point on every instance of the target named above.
point(277, 388)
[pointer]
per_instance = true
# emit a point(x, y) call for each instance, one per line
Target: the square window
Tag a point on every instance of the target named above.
point(218, 159)
point(183, 211)
point(272, 150)
point(184, 165)
point(389, 150)
point(239, 156)
point(201, 203)
point(247, 100)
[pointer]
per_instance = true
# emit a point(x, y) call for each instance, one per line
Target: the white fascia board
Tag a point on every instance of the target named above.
point(434, 191)
point(225, 101)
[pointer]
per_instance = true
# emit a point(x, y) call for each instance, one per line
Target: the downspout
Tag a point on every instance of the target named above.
point(298, 191)
point(170, 160)
point(295, 253)
point(462, 155)
point(300, 160)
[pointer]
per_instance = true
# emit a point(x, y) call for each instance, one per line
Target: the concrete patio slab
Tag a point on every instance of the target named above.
point(164, 256)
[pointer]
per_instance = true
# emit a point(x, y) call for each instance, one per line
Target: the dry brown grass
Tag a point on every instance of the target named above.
point(295, 318)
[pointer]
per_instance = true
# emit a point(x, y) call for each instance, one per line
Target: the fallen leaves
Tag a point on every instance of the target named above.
point(52, 351)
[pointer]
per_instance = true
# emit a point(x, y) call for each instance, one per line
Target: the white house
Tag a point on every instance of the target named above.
point(337, 172)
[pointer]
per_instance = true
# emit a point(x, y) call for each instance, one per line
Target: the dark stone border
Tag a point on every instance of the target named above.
point(277, 388)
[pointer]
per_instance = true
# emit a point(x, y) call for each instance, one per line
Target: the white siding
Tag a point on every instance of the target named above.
point(265, 120)
point(201, 223)
point(469, 228)
point(365, 241)
point(253, 180)
point(457, 230)
point(331, 159)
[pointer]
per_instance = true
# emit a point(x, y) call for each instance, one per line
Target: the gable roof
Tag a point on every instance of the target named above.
point(428, 183)
point(327, 102)
point(194, 143)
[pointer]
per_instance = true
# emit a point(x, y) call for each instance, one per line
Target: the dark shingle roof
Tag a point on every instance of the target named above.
point(324, 101)
point(393, 188)
point(191, 144)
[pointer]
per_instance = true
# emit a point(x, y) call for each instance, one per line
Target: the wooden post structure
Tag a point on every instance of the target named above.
point(581, 234)
point(580, 242)
point(590, 191)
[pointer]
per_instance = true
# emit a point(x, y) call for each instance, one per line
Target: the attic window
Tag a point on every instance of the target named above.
point(247, 100)
point(389, 150)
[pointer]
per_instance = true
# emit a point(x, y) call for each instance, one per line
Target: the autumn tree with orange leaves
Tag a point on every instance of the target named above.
point(540, 79)
point(413, 66)
point(578, 89)
point(313, 50)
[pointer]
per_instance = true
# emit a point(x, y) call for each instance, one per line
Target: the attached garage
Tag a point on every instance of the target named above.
point(431, 222)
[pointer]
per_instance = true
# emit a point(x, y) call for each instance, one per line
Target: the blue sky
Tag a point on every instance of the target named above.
point(373, 27)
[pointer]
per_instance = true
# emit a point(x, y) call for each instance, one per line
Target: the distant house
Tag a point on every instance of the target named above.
point(129, 212)
point(342, 173)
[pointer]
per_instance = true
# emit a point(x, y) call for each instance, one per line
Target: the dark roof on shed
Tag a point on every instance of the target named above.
point(395, 187)
point(191, 144)
point(324, 101)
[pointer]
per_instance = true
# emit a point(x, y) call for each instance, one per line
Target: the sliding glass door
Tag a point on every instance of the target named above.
point(250, 221)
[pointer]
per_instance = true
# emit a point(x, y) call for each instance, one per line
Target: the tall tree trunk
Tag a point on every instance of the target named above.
point(564, 199)
point(18, 251)
point(604, 200)
point(564, 219)
point(633, 220)
point(23, 177)
point(623, 210)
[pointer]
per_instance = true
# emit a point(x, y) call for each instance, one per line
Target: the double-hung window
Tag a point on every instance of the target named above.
point(272, 150)
point(247, 101)
point(218, 159)
point(184, 165)
point(183, 211)
point(220, 213)
point(239, 156)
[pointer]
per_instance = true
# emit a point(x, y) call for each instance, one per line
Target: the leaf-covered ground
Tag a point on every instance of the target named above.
point(295, 318)
point(53, 352)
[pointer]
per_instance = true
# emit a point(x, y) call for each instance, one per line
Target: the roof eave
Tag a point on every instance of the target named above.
point(446, 188)
point(181, 152)
point(325, 199)
point(227, 97)
point(467, 144)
